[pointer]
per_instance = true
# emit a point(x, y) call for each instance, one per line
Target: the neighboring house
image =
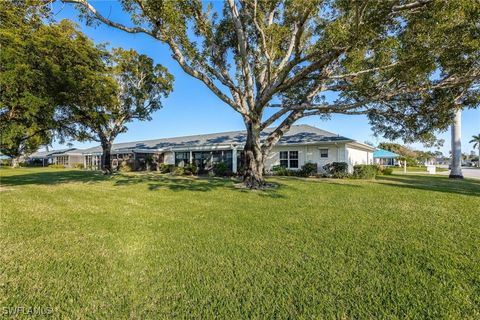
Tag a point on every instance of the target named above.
point(385, 157)
point(5, 160)
point(66, 157)
point(298, 146)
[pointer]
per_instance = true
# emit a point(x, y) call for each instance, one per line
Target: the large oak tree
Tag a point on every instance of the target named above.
point(275, 61)
point(130, 88)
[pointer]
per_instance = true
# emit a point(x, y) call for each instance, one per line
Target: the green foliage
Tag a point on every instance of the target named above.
point(166, 168)
point(78, 166)
point(125, 166)
point(387, 171)
point(336, 169)
point(221, 169)
point(178, 171)
point(57, 166)
point(43, 70)
point(282, 171)
point(476, 141)
point(190, 169)
point(309, 169)
point(365, 171)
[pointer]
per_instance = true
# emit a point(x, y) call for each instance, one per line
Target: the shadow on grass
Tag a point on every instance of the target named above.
point(157, 182)
point(153, 181)
point(53, 177)
point(203, 184)
point(439, 184)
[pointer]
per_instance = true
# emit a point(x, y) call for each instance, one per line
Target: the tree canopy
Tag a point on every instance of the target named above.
point(275, 62)
point(130, 88)
point(41, 68)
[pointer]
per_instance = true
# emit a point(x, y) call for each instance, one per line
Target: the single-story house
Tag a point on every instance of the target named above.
point(66, 157)
point(300, 145)
point(385, 157)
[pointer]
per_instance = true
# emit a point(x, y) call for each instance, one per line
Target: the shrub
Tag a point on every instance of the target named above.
point(365, 171)
point(57, 166)
point(336, 169)
point(178, 171)
point(166, 168)
point(190, 169)
point(125, 167)
point(78, 165)
point(309, 169)
point(221, 169)
point(282, 171)
point(387, 171)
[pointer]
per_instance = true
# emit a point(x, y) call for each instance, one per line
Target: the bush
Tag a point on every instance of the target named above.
point(309, 169)
point(166, 168)
point(387, 171)
point(57, 166)
point(190, 169)
point(336, 169)
point(282, 171)
point(221, 169)
point(365, 171)
point(125, 166)
point(78, 165)
point(178, 171)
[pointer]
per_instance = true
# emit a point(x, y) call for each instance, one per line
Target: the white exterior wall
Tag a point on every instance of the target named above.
point(358, 155)
point(308, 153)
point(339, 152)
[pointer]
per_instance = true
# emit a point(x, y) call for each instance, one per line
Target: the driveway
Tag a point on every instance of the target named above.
point(472, 173)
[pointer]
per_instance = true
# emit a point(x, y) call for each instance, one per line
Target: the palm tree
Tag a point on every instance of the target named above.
point(456, 170)
point(476, 144)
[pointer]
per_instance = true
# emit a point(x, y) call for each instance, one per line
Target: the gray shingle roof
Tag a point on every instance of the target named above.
point(298, 134)
point(45, 154)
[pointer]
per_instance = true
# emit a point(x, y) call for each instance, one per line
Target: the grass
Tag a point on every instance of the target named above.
point(417, 169)
point(151, 246)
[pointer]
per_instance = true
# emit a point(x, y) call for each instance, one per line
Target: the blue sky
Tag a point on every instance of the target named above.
point(193, 109)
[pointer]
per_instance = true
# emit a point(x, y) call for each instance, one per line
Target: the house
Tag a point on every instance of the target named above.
point(300, 145)
point(66, 157)
point(385, 157)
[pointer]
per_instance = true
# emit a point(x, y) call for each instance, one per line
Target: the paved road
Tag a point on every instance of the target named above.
point(472, 173)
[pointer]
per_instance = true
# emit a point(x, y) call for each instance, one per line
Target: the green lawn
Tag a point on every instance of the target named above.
point(151, 246)
point(416, 169)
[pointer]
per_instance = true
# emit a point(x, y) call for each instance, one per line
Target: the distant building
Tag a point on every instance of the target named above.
point(385, 157)
point(301, 144)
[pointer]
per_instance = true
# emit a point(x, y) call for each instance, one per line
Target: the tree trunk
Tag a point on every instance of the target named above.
point(254, 158)
point(106, 158)
point(16, 162)
point(456, 165)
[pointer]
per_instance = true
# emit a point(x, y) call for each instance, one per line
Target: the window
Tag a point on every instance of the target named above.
point(182, 158)
point(293, 159)
point(323, 153)
point(289, 159)
point(284, 159)
point(62, 160)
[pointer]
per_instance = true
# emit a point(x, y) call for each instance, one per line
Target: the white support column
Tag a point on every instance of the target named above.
point(234, 159)
point(191, 157)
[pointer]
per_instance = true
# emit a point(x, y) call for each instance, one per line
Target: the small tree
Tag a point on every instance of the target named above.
point(131, 88)
point(253, 54)
point(476, 144)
